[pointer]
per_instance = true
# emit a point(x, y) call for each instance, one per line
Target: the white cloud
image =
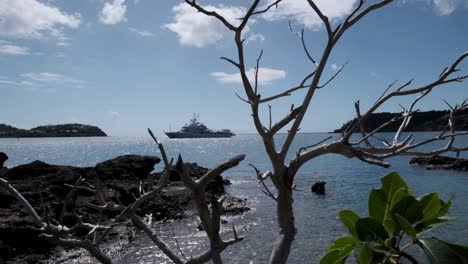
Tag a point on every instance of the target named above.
point(63, 43)
point(196, 29)
point(143, 33)
point(42, 81)
point(17, 83)
point(255, 37)
point(302, 13)
point(442, 7)
point(113, 13)
point(114, 114)
point(265, 76)
point(50, 78)
point(373, 74)
point(335, 67)
point(447, 7)
point(33, 19)
point(9, 49)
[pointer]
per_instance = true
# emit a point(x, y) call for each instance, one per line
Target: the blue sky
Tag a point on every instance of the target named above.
point(125, 65)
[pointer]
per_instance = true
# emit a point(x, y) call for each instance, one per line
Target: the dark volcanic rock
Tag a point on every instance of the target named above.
point(46, 186)
point(128, 167)
point(3, 158)
point(318, 187)
point(441, 162)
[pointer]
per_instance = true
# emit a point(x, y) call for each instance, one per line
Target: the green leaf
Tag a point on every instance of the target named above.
point(337, 256)
point(343, 242)
point(365, 255)
point(461, 250)
point(441, 252)
point(403, 208)
point(445, 206)
point(426, 208)
point(381, 201)
point(392, 182)
point(389, 223)
point(369, 229)
point(424, 226)
point(377, 204)
point(349, 219)
point(406, 226)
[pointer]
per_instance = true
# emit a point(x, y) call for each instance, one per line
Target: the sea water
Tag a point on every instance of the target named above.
point(348, 184)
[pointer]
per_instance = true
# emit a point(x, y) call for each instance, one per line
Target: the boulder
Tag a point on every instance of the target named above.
point(3, 158)
point(127, 167)
point(318, 187)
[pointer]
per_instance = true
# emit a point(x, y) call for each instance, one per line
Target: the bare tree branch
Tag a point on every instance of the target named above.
point(256, 71)
point(216, 171)
point(288, 92)
point(261, 179)
point(322, 17)
point(286, 120)
point(211, 13)
point(154, 237)
point(230, 61)
point(333, 77)
point(264, 10)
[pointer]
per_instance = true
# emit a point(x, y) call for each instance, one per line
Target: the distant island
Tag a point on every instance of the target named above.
point(64, 130)
point(421, 121)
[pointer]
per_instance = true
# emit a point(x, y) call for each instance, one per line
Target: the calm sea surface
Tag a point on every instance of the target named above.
point(348, 184)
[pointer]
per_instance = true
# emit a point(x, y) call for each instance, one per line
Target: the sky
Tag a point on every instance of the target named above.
point(126, 65)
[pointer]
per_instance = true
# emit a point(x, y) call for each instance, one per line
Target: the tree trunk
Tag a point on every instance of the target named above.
point(287, 232)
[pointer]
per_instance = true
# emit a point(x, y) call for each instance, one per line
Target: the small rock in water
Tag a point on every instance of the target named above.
point(318, 187)
point(3, 158)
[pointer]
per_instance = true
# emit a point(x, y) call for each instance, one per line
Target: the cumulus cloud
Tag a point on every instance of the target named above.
point(447, 7)
point(196, 29)
point(255, 38)
point(33, 19)
point(301, 12)
point(113, 13)
point(143, 33)
point(265, 76)
point(10, 49)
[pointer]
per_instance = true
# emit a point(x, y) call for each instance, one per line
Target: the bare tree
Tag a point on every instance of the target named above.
point(283, 171)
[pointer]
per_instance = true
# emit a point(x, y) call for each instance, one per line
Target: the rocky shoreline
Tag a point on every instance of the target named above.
point(441, 163)
point(46, 187)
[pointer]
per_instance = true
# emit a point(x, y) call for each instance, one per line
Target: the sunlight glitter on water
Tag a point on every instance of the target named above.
point(348, 184)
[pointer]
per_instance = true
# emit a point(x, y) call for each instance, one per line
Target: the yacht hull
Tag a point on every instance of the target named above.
point(198, 135)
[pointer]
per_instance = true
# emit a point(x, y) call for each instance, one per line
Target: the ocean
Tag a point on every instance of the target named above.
point(348, 184)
